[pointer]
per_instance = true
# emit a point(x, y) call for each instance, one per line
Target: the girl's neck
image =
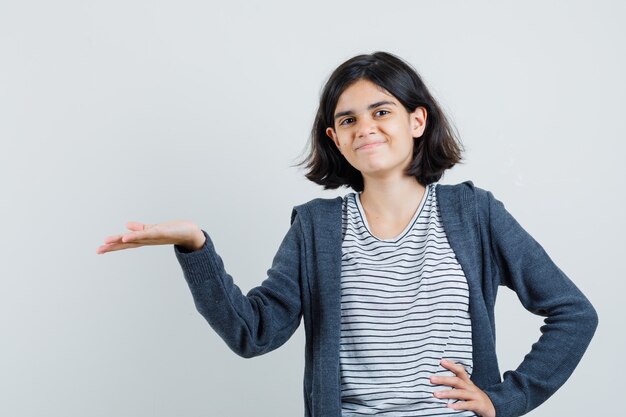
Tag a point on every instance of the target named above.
point(388, 199)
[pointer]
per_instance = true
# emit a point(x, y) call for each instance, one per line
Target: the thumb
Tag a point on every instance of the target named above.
point(138, 226)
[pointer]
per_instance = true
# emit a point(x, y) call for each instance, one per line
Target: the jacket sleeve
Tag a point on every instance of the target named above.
point(543, 289)
point(260, 321)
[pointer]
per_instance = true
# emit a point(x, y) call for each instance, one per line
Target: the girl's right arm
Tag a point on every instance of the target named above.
point(250, 324)
point(268, 315)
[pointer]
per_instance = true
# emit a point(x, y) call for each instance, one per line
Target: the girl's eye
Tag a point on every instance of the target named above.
point(346, 121)
point(382, 112)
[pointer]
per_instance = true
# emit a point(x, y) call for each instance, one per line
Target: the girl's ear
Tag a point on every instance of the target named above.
point(330, 132)
point(418, 121)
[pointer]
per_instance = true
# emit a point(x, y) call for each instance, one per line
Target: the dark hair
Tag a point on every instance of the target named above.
point(435, 151)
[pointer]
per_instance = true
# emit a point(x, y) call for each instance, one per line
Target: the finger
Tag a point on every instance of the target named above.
point(116, 246)
point(142, 235)
point(459, 394)
point(113, 239)
point(465, 405)
point(457, 368)
point(107, 248)
point(136, 226)
point(451, 381)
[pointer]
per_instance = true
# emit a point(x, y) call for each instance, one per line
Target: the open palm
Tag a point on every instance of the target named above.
point(178, 232)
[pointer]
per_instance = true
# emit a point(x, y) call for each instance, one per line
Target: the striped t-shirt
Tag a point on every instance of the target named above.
point(404, 307)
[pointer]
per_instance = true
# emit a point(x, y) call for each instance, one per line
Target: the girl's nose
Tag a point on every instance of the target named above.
point(366, 126)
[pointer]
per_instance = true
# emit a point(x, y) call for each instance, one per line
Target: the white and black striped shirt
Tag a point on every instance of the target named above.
point(404, 307)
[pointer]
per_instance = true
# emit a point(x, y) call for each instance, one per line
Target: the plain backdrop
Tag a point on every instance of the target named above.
point(162, 110)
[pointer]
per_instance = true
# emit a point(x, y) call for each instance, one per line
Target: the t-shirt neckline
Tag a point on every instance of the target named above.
point(407, 228)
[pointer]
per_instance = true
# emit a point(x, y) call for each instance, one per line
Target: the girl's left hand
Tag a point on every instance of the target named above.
point(472, 398)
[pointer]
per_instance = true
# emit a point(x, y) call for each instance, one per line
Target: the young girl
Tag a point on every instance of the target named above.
point(396, 282)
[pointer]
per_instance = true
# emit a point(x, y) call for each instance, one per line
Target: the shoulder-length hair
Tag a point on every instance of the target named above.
point(435, 151)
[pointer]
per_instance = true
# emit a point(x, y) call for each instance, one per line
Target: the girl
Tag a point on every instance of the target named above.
point(396, 282)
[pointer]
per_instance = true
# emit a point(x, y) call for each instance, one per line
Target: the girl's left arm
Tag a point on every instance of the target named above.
point(545, 290)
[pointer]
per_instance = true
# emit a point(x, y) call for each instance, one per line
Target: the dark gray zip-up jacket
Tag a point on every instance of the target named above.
point(304, 283)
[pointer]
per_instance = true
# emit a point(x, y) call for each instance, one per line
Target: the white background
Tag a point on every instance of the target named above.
point(161, 110)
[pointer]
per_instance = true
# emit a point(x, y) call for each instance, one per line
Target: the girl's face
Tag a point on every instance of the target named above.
point(373, 130)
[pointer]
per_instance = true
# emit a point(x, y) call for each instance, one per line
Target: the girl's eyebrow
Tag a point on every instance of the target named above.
point(370, 107)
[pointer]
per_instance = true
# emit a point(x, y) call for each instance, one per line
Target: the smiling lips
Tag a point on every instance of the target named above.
point(369, 145)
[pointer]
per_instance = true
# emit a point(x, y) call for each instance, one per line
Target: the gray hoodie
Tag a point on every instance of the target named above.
point(304, 283)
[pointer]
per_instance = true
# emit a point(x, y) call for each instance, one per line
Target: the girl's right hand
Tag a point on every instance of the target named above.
point(180, 232)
